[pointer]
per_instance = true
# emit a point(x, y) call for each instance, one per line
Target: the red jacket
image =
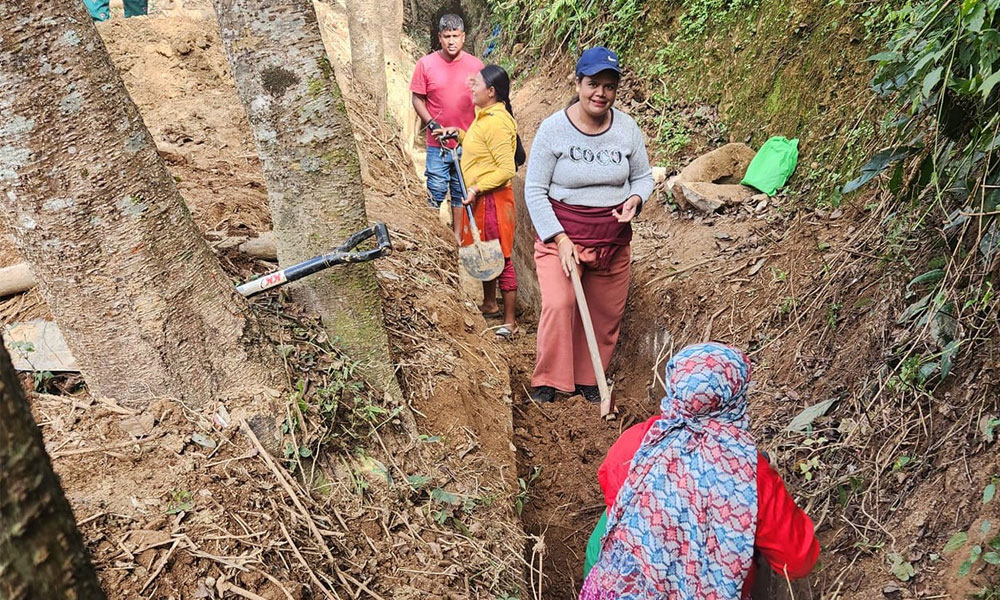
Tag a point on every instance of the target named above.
point(784, 535)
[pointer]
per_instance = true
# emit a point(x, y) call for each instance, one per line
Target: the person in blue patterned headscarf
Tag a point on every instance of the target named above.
point(682, 526)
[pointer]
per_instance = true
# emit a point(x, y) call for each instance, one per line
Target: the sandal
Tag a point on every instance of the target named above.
point(506, 333)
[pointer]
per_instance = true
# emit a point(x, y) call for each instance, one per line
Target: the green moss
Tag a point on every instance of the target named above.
point(315, 86)
point(773, 104)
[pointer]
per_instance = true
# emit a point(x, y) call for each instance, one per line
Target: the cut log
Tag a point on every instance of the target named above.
point(262, 246)
point(16, 279)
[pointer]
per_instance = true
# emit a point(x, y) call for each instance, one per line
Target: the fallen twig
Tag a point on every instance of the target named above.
point(159, 567)
point(659, 278)
point(288, 489)
point(312, 574)
point(126, 444)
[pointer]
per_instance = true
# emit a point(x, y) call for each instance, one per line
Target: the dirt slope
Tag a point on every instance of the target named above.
point(375, 511)
point(806, 291)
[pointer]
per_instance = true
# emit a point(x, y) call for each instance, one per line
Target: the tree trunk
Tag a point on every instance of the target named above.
point(392, 29)
point(41, 552)
point(366, 25)
point(310, 164)
point(142, 301)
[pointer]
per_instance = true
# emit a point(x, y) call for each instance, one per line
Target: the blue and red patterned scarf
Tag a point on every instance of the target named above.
point(683, 524)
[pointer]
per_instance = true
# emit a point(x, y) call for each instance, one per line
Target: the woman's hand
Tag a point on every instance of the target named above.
point(628, 209)
point(569, 257)
point(470, 195)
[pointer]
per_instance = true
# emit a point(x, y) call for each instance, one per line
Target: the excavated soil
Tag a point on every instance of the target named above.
point(167, 517)
point(174, 502)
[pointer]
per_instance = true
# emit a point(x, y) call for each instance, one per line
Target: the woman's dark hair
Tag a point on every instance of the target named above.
point(495, 77)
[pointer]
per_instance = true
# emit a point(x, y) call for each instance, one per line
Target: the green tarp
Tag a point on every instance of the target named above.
point(772, 165)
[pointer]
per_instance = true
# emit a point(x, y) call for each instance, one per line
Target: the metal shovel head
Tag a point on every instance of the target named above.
point(482, 260)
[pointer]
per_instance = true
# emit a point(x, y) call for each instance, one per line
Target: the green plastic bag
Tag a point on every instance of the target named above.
point(594, 544)
point(772, 165)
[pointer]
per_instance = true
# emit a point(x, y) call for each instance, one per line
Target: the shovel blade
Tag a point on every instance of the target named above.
point(482, 260)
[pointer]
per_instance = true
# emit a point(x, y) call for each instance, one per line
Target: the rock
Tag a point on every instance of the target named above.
point(710, 197)
point(659, 174)
point(183, 47)
point(164, 50)
point(262, 246)
point(173, 443)
point(203, 440)
point(138, 426)
point(761, 206)
point(727, 164)
point(712, 180)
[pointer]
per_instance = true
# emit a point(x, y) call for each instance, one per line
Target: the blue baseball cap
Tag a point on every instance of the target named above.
point(597, 59)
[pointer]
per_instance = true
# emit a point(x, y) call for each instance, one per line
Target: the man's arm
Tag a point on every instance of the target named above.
point(420, 105)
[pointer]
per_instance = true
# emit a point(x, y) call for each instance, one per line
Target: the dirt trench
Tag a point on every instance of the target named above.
point(175, 71)
point(739, 277)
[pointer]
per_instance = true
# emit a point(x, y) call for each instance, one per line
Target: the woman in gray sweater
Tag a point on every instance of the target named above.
point(588, 175)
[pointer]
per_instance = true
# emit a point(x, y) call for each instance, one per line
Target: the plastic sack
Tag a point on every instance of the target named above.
point(772, 165)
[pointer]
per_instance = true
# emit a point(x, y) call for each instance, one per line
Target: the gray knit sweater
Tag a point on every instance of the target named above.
point(587, 170)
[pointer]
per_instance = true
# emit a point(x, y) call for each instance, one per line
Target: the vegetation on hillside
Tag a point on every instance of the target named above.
point(897, 105)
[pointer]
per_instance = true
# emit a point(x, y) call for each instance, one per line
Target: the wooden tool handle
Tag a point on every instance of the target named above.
point(595, 355)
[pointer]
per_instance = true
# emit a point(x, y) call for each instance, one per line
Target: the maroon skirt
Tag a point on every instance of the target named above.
point(594, 227)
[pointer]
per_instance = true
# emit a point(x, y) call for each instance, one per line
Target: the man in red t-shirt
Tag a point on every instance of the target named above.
point(442, 98)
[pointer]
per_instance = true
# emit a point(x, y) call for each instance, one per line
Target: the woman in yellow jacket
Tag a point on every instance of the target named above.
point(491, 152)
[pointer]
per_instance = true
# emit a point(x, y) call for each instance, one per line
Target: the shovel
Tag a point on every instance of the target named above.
point(343, 254)
point(482, 260)
point(607, 408)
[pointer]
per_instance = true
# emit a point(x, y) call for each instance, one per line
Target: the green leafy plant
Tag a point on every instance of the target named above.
point(901, 568)
point(41, 380)
point(808, 467)
point(833, 314)
point(418, 481)
point(990, 491)
point(700, 14)
point(901, 463)
point(524, 489)
point(988, 554)
point(573, 24)
point(180, 501)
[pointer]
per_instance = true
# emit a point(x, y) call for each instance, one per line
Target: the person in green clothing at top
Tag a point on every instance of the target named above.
point(100, 10)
